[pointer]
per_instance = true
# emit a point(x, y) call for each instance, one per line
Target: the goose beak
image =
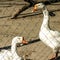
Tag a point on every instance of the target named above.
point(24, 41)
point(34, 8)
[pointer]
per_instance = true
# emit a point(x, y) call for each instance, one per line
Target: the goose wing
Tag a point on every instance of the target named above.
point(5, 55)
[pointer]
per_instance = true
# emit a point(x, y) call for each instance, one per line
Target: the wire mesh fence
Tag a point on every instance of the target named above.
point(23, 26)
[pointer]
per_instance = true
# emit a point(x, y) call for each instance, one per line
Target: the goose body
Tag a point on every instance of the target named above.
point(49, 37)
point(12, 54)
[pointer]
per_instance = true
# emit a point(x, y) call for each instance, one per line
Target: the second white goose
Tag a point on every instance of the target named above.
point(12, 55)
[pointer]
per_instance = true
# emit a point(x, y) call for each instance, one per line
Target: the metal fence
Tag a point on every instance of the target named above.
point(28, 25)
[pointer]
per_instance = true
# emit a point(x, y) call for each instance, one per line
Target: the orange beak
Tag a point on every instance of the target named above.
point(35, 8)
point(24, 41)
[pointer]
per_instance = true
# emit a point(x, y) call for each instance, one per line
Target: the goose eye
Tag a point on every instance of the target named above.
point(38, 5)
point(18, 38)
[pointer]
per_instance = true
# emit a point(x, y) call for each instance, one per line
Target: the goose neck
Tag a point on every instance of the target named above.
point(45, 18)
point(14, 48)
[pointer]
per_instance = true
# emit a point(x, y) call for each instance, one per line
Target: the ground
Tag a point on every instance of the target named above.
point(28, 27)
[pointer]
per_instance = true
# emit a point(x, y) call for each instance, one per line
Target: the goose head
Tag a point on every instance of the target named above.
point(38, 7)
point(19, 40)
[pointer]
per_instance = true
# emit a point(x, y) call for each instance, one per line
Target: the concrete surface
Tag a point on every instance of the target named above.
point(29, 28)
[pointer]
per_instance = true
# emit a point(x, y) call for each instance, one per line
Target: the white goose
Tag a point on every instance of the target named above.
point(12, 55)
point(49, 37)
